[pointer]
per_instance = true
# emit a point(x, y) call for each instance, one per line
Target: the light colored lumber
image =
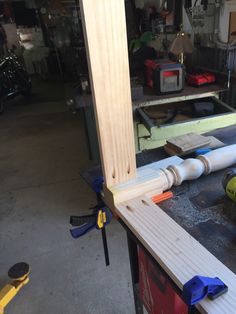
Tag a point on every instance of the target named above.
point(232, 26)
point(150, 179)
point(178, 253)
point(106, 42)
point(187, 142)
point(163, 163)
point(214, 142)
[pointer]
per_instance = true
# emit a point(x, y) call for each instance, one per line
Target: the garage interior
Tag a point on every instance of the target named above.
point(70, 158)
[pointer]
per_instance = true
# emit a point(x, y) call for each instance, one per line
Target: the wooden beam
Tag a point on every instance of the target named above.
point(106, 40)
point(150, 179)
point(178, 253)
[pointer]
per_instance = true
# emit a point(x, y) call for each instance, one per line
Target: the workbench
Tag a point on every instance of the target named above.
point(128, 190)
point(147, 134)
point(149, 97)
point(199, 206)
point(152, 134)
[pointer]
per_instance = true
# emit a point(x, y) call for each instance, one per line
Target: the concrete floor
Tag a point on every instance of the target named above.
point(43, 150)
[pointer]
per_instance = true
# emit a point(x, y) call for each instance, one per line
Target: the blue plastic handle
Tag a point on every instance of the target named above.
point(82, 230)
point(199, 287)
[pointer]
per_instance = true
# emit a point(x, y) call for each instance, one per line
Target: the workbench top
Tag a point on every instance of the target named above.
point(149, 97)
point(202, 208)
point(199, 206)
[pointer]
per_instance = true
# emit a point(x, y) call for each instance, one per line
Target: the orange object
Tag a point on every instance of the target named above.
point(162, 197)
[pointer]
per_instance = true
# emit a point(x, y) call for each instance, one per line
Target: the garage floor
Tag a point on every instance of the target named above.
point(43, 149)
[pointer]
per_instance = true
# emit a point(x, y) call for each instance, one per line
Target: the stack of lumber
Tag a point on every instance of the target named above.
point(188, 143)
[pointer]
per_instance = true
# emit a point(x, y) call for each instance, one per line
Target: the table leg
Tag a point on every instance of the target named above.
point(133, 258)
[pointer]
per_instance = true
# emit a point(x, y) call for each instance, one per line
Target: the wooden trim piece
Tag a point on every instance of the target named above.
point(106, 42)
point(178, 253)
point(150, 179)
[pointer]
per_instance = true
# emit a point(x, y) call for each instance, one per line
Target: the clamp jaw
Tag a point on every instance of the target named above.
point(199, 287)
point(99, 219)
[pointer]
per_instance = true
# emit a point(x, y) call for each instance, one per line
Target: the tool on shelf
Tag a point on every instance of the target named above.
point(199, 287)
point(164, 76)
point(200, 78)
point(19, 273)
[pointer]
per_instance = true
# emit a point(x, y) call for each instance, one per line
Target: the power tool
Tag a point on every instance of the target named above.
point(229, 184)
point(200, 78)
point(164, 76)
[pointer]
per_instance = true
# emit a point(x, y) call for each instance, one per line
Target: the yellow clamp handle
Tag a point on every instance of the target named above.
point(101, 219)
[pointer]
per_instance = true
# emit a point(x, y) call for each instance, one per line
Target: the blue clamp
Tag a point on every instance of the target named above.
point(99, 219)
point(200, 287)
point(202, 151)
point(97, 184)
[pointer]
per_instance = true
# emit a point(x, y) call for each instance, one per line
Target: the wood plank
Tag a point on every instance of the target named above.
point(106, 41)
point(187, 142)
point(147, 181)
point(163, 163)
point(178, 253)
point(232, 25)
point(213, 143)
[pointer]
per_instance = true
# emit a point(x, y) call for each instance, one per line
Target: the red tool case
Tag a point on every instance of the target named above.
point(156, 289)
point(164, 76)
point(201, 79)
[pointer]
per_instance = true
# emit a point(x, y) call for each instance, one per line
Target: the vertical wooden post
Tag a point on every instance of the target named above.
point(106, 43)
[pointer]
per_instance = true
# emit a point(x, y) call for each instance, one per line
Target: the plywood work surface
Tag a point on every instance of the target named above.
point(178, 253)
point(202, 209)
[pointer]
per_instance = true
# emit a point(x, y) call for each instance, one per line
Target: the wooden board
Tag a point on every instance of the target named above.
point(106, 42)
point(178, 253)
point(213, 143)
point(163, 163)
point(187, 142)
point(150, 179)
point(232, 24)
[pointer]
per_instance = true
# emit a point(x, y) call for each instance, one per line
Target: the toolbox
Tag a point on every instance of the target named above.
point(164, 76)
point(200, 79)
point(156, 289)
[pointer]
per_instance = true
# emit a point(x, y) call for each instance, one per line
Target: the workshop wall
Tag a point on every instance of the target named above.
point(206, 28)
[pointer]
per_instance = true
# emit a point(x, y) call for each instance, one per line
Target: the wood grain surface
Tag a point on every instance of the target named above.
point(106, 42)
point(178, 253)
